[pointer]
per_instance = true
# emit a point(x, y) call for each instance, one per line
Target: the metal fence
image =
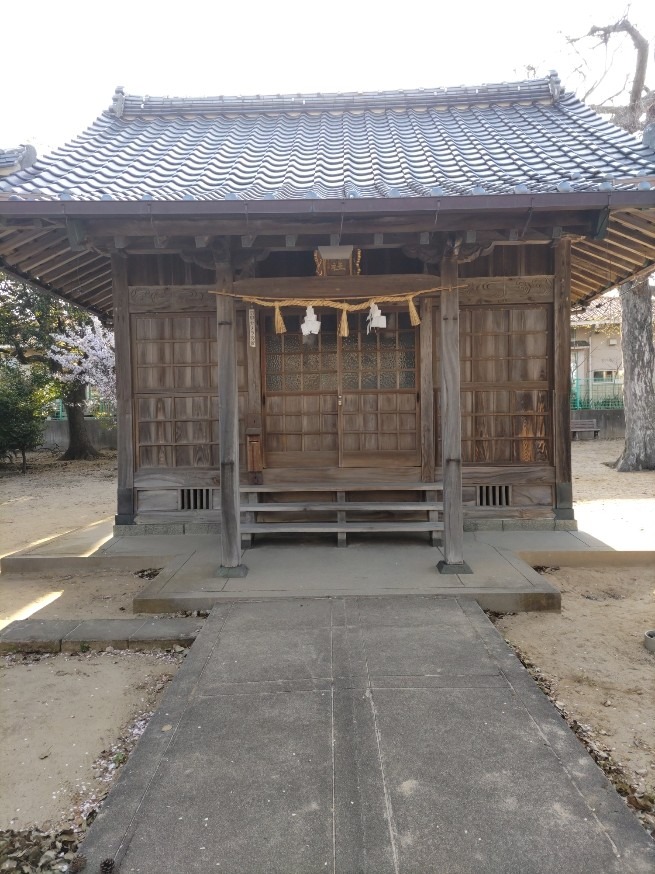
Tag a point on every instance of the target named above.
point(591, 394)
point(97, 409)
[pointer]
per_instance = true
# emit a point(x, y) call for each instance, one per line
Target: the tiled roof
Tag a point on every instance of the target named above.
point(12, 160)
point(606, 310)
point(509, 138)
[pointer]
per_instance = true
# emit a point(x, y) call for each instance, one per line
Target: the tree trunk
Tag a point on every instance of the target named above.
point(80, 447)
point(638, 367)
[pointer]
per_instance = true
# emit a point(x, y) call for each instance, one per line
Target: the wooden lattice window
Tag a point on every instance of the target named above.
point(493, 496)
point(195, 499)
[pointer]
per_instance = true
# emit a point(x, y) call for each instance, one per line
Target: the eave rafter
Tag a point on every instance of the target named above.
point(626, 250)
point(70, 256)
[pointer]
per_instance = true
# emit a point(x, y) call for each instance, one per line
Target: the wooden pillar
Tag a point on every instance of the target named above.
point(562, 393)
point(228, 427)
point(254, 409)
point(451, 424)
point(125, 508)
point(426, 392)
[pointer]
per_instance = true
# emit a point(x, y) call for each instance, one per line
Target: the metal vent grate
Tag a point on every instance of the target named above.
point(195, 499)
point(493, 496)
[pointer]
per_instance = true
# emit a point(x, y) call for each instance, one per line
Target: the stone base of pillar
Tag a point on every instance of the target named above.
point(445, 568)
point(124, 519)
point(233, 572)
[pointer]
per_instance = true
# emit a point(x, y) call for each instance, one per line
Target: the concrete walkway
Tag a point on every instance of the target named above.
point(374, 734)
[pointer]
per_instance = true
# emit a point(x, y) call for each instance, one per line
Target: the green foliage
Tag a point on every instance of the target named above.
point(28, 318)
point(25, 394)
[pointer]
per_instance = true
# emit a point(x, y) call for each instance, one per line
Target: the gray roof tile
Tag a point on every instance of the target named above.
point(384, 144)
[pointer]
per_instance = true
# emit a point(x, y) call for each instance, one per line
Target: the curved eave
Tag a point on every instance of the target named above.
point(43, 258)
point(235, 208)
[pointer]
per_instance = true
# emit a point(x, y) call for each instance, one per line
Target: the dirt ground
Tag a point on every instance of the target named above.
point(60, 713)
point(592, 653)
point(54, 497)
point(590, 657)
point(66, 721)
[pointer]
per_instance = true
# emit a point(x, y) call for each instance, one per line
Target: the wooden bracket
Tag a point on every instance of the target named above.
point(602, 225)
point(77, 235)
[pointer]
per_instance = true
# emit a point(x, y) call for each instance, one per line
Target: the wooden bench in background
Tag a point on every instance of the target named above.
point(584, 425)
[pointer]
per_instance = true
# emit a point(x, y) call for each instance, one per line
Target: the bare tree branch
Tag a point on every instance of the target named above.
point(641, 45)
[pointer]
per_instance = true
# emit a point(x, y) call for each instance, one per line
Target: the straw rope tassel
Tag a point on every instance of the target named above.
point(280, 327)
point(344, 330)
point(414, 317)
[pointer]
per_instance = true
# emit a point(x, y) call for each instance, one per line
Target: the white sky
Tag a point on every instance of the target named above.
point(62, 60)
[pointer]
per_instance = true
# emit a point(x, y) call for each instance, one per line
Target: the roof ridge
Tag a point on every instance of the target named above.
point(548, 88)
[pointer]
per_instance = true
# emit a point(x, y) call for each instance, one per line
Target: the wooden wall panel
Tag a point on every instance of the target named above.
point(517, 260)
point(167, 269)
point(157, 499)
point(507, 381)
point(175, 389)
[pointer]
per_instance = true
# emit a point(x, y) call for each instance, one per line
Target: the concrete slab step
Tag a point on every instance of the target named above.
point(72, 635)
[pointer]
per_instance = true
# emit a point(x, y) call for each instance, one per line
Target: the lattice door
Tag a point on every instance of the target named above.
point(300, 395)
point(379, 400)
point(348, 401)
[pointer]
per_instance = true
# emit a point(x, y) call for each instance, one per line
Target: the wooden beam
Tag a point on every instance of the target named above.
point(124, 403)
point(583, 221)
point(506, 289)
point(91, 283)
point(25, 254)
point(61, 254)
point(614, 247)
point(18, 239)
point(331, 286)
point(97, 289)
point(602, 261)
point(620, 233)
point(77, 270)
point(562, 380)
point(228, 426)
point(596, 277)
point(632, 220)
point(451, 424)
